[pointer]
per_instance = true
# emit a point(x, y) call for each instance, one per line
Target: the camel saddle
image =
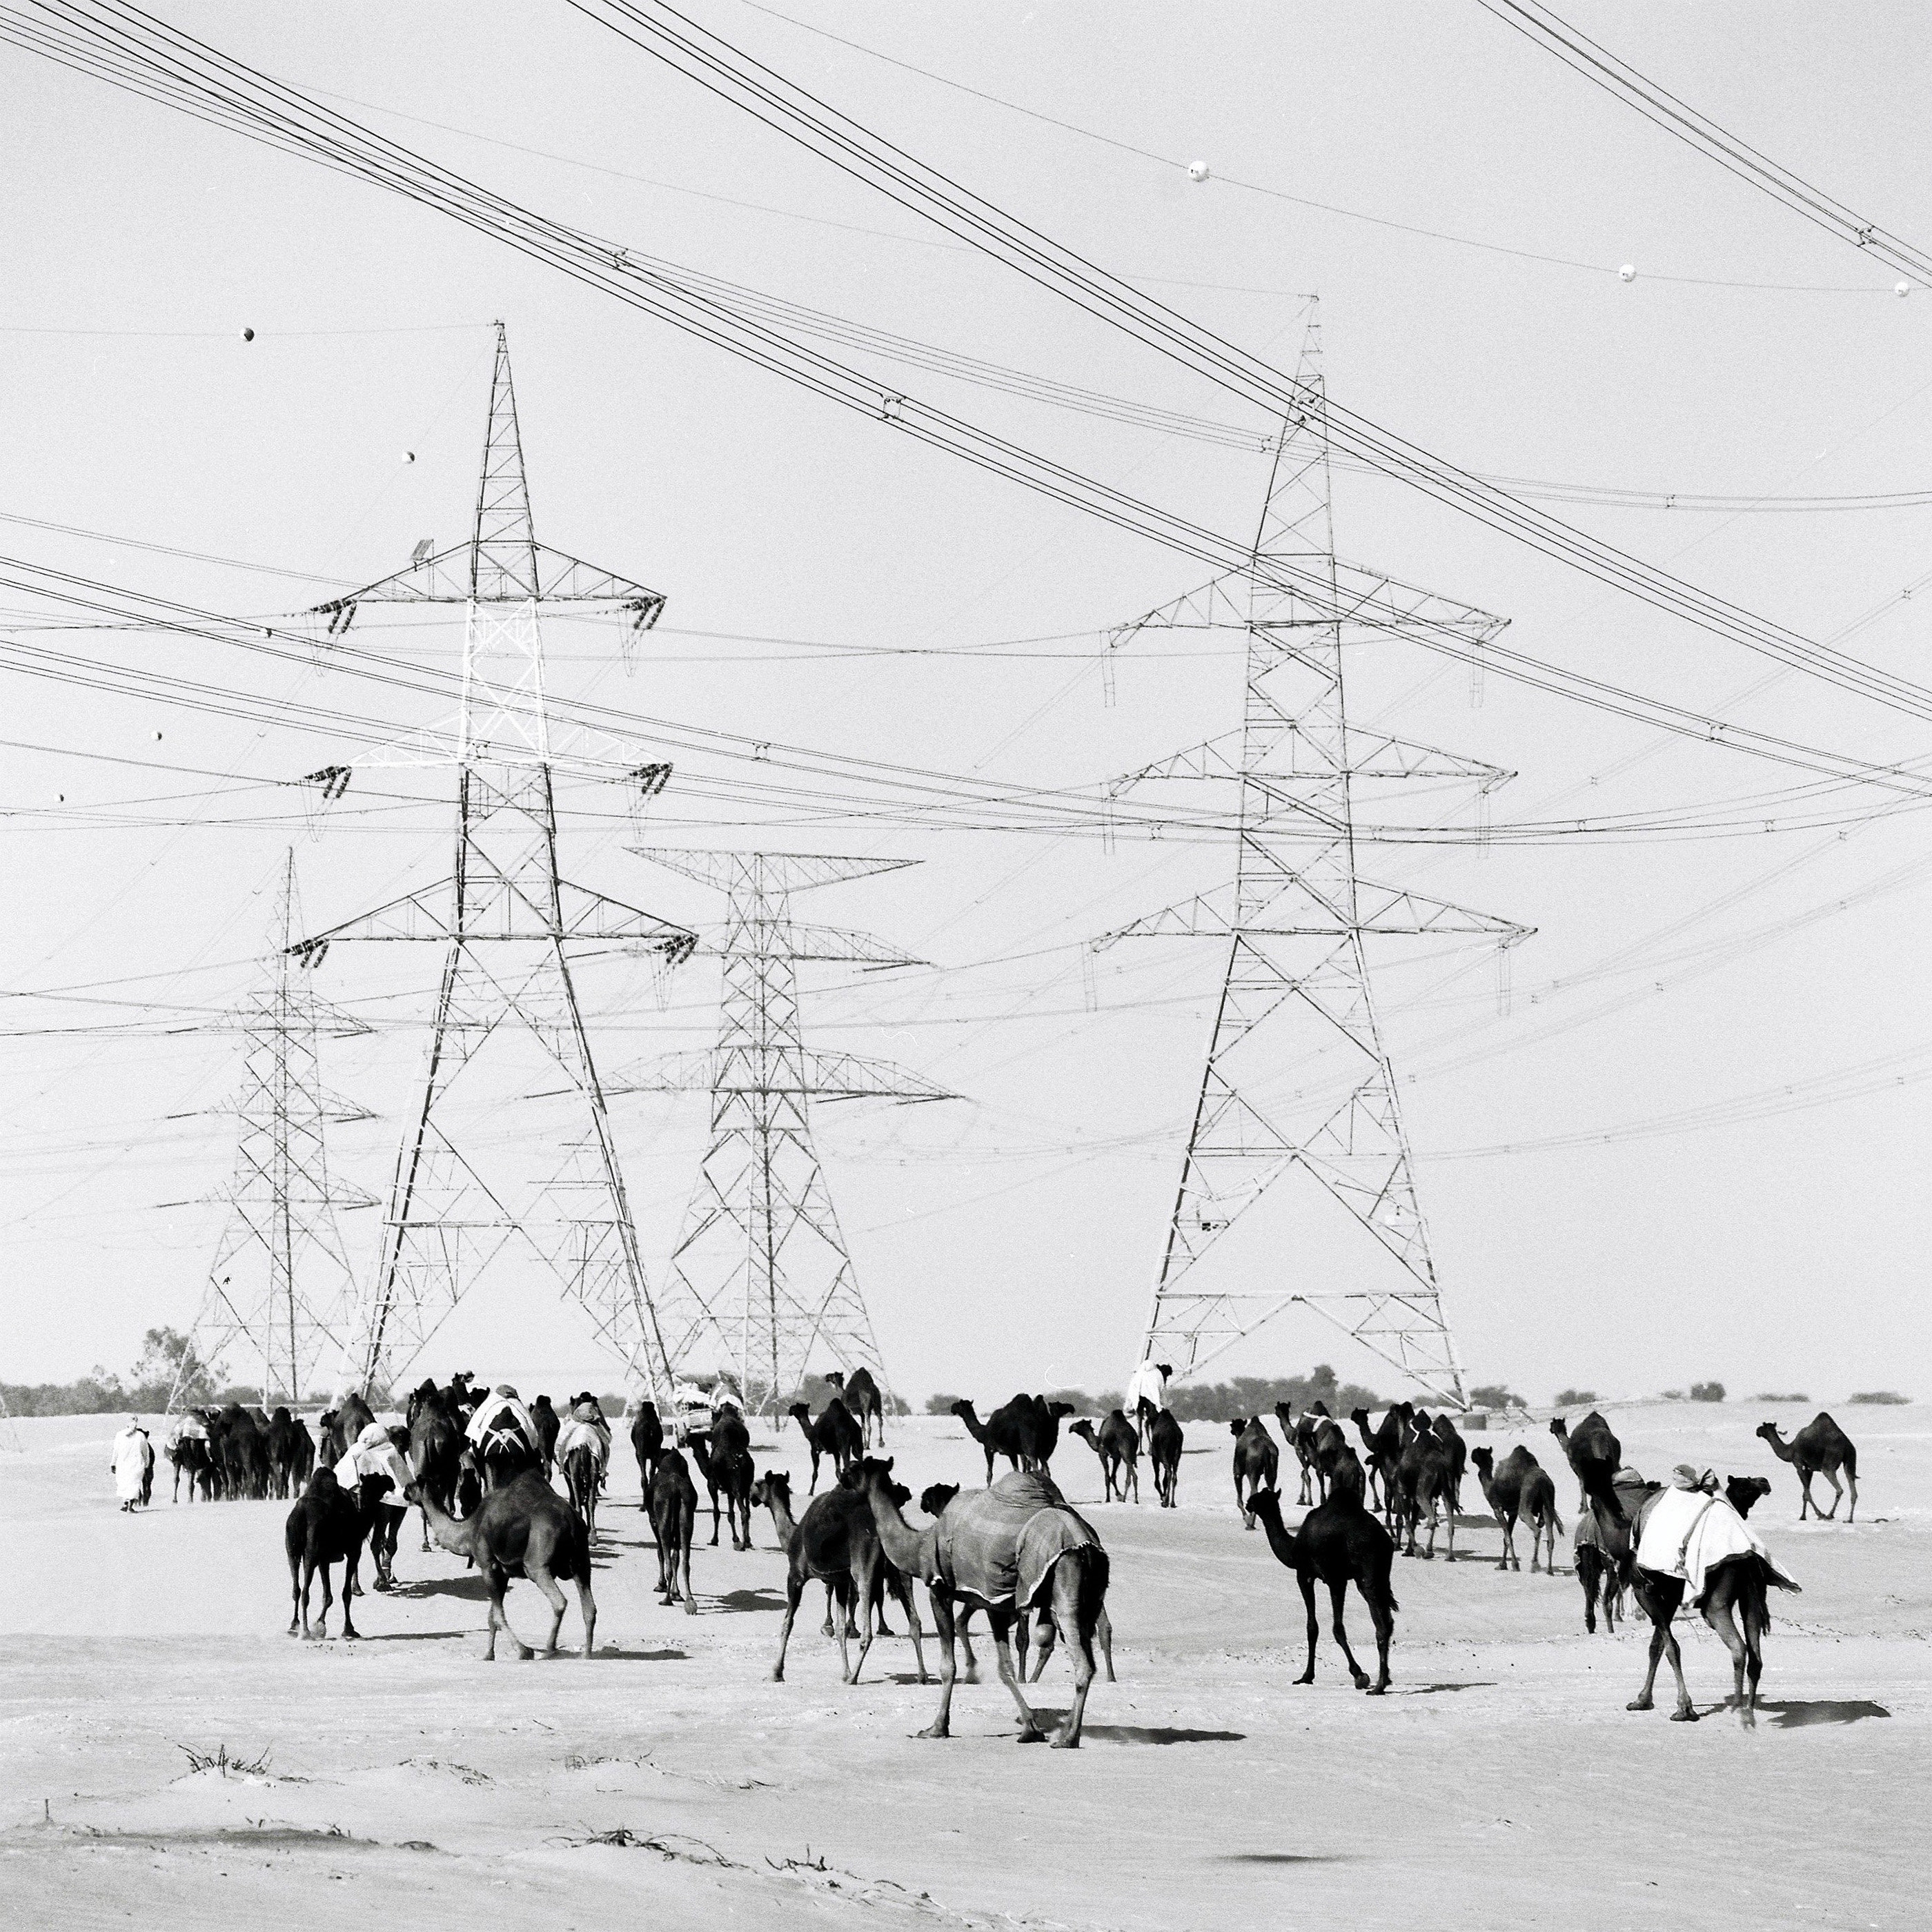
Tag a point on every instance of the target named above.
point(1000, 1544)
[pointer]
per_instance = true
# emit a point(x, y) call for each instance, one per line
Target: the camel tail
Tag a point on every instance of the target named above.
point(1556, 1517)
point(1095, 1566)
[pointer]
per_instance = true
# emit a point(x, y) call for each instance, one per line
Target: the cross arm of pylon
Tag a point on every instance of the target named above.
point(445, 578)
point(805, 1076)
point(1379, 909)
point(789, 939)
point(791, 871)
point(583, 914)
point(573, 751)
point(1294, 755)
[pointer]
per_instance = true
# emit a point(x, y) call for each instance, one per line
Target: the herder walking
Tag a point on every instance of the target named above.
point(132, 1462)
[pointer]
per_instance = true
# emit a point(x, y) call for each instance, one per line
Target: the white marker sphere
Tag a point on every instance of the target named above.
point(408, 456)
point(247, 335)
point(1628, 273)
point(157, 737)
point(1901, 288)
point(1198, 171)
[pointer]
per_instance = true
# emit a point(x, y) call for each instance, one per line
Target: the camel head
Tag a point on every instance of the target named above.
point(934, 1500)
point(1768, 1430)
point(835, 1378)
point(1484, 1459)
point(1741, 1492)
point(1166, 1369)
point(799, 1413)
point(964, 1411)
point(1057, 1409)
point(873, 1475)
point(1265, 1504)
point(1560, 1429)
point(773, 1485)
point(1359, 1417)
point(1237, 1425)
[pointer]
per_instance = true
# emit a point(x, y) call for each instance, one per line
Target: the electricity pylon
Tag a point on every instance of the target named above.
point(464, 1195)
point(1278, 1113)
point(281, 1296)
point(761, 1283)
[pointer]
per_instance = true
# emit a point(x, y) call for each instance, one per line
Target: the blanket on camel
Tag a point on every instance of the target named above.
point(574, 1432)
point(1000, 1544)
point(1688, 1533)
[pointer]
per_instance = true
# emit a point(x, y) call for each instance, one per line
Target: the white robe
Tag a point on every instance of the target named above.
point(1147, 1382)
point(133, 1457)
point(1688, 1533)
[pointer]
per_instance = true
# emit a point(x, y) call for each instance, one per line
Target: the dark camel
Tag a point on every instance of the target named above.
point(189, 1455)
point(1257, 1461)
point(285, 1453)
point(435, 1448)
point(724, 1461)
point(647, 1445)
point(837, 1544)
point(1423, 1484)
point(1164, 1442)
point(1339, 1543)
point(1145, 1410)
point(1736, 1604)
point(342, 1425)
point(1384, 1448)
point(584, 1477)
point(523, 1529)
point(1520, 1489)
point(325, 1527)
point(1742, 1492)
point(1008, 1432)
point(1046, 1418)
point(860, 1394)
point(1457, 1450)
point(1605, 1546)
point(1119, 1449)
point(835, 1433)
point(1074, 1590)
point(1820, 1448)
point(242, 1445)
point(550, 1425)
point(1596, 1456)
point(674, 1524)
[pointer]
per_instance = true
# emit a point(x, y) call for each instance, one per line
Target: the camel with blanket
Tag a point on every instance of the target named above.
point(1691, 1542)
point(1602, 1542)
point(583, 1449)
point(1008, 1550)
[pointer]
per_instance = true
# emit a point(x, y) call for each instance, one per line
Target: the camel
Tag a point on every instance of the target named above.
point(1451, 1438)
point(1339, 1543)
point(838, 1544)
point(1118, 1447)
point(240, 1445)
point(342, 1425)
point(584, 1477)
point(1595, 1455)
point(835, 1433)
point(524, 1529)
point(1257, 1461)
point(1384, 1448)
point(190, 1456)
point(1521, 1488)
point(1165, 1441)
point(381, 1525)
point(325, 1527)
point(1820, 1448)
point(647, 1445)
point(860, 1394)
point(1046, 1417)
point(282, 1455)
point(1007, 1432)
point(1422, 1482)
point(1735, 1605)
point(549, 1424)
point(1743, 1492)
point(435, 1448)
point(1146, 1409)
point(1604, 1544)
point(995, 1534)
point(723, 1456)
point(674, 1524)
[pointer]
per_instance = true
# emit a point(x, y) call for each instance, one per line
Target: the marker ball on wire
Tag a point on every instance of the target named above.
point(1901, 289)
point(1628, 273)
point(1198, 172)
point(408, 456)
point(247, 335)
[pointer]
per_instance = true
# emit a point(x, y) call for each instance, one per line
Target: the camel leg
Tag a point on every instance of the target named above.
point(328, 1600)
point(1509, 1541)
point(500, 1619)
point(1338, 1589)
point(684, 1556)
point(1384, 1619)
point(1852, 1514)
point(1586, 1575)
point(944, 1626)
point(553, 1596)
point(1804, 1493)
point(586, 1606)
point(794, 1589)
point(297, 1614)
point(1720, 1618)
point(1043, 1642)
point(350, 1565)
point(1307, 1580)
point(844, 1618)
point(714, 1520)
point(1067, 1590)
point(1837, 1493)
point(867, 1586)
point(902, 1589)
point(1031, 1732)
point(1103, 1628)
point(1643, 1700)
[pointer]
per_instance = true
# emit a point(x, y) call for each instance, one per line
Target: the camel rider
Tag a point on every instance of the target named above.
point(374, 1452)
point(1148, 1384)
point(187, 1426)
point(586, 1423)
point(131, 1461)
point(499, 1414)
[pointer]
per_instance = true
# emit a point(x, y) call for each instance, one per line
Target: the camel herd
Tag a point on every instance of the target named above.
point(1015, 1554)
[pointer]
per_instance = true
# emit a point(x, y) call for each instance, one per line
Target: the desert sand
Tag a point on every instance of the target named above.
point(400, 1779)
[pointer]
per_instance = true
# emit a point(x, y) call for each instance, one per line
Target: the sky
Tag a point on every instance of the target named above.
point(832, 585)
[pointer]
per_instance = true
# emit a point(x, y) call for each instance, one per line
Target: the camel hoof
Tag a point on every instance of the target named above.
point(1378, 1690)
point(1685, 1716)
point(351, 1636)
point(525, 1653)
point(1063, 1743)
point(1639, 1704)
point(934, 1731)
point(1361, 1680)
point(1030, 1737)
point(778, 1676)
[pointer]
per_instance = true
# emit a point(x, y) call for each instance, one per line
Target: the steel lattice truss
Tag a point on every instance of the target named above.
point(549, 1208)
point(1292, 921)
point(761, 1286)
point(281, 1308)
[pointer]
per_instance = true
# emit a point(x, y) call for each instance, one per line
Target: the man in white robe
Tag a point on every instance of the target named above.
point(131, 1459)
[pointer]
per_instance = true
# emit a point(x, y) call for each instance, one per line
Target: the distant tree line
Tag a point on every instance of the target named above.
point(1211, 1402)
point(166, 1354)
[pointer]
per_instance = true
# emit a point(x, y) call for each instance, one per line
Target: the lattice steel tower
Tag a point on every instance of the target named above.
point(281, 1302)
point(1295, 1004)
point(462, 1201)
point(761, 1286)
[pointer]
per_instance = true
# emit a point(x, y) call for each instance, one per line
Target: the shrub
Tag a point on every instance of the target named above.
point(1801, 1397)
point(1707, 1391)
point(1884, 1397)
point(1575, 1398)
point(1495, 1395)
point(941, 1405)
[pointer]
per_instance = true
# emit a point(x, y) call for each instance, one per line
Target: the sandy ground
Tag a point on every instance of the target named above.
point(1502, 1783)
